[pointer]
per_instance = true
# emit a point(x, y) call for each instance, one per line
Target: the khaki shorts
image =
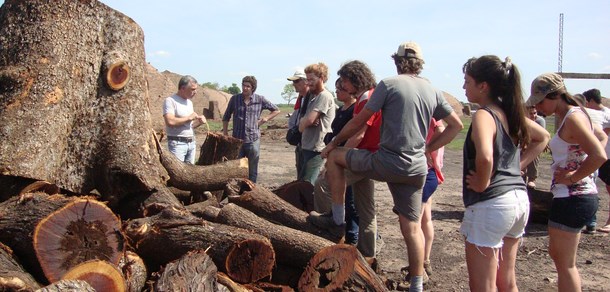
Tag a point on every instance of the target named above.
point(406, 190)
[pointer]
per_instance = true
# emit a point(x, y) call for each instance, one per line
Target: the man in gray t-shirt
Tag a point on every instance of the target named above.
point(407, 103)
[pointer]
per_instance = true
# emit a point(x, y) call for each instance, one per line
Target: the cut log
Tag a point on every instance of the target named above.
point(264, 286)
point(100, 274)
point(286, 276)
point(68, 286)
point(230, 285)
point(218, 148)
point(17, 224)
point(200, 178)
point(194, 271)
point(340, 267)
point(243, 264)
point(540, 205)
point(266, 204)
point(83, 230)
point(292, 247)
point(134, 271)
point(207, 210)
point(298, 193)
point(172, 233)
point(12, 275)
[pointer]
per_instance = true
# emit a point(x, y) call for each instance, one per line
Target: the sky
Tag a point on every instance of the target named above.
point(223, 41)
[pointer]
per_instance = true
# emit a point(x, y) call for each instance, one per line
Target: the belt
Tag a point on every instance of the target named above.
point(181, 139)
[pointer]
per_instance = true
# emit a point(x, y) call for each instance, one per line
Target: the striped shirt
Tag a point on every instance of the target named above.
point(246, 116)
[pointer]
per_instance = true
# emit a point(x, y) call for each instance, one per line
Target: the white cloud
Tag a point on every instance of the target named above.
point(160, 54)
point(595, 56)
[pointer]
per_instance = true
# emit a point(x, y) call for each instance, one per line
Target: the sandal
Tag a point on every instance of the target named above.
point(605, 229)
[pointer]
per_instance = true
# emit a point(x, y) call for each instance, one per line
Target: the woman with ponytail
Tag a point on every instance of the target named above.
point(500, 143)
point(578, 151)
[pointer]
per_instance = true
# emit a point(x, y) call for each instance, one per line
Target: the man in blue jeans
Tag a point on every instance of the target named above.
point(246, 109)
point(180, 120)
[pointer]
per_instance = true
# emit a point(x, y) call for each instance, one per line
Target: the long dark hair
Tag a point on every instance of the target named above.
point(504, 82)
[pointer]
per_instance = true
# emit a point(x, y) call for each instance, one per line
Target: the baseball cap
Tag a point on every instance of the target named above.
point(542, 86)
point(410, 50)
point(299, 74)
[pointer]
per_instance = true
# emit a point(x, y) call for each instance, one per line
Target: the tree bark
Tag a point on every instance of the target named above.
point(292, 247)
point(172, 233)
point(540, 205)
point(340, 267)
point(194, 271)
point(266, 204)
point(134, 271)
point(218, 148)
point(68, 286)
point(12, 275)
point(73, 97)
point(298, 193)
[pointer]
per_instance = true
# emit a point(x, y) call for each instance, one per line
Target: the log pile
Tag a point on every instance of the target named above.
point(89, 200)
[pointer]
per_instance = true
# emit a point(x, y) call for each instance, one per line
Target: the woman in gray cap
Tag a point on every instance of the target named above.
point(577, 154)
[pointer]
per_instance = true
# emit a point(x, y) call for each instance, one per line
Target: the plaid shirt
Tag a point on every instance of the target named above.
point(246, 116)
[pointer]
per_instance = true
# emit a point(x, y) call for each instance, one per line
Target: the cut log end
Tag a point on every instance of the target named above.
point(82, 230)
point(250, 261)
point(117, 75)
point(101, 275)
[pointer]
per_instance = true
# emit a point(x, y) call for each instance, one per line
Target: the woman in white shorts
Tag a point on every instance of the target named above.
point(494, 193)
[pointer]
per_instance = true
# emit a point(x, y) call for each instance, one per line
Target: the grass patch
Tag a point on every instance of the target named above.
point(458, 142)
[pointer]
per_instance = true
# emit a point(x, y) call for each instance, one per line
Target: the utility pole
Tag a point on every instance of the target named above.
point(560, 57)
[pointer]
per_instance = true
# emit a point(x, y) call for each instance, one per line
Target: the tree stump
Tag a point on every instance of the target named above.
point(298, 193)
point(292, 247)
point(172, 233)
point(134, 271)
point(340, 267)
point(218, 148)
point(18, 222)
point(12, 275)
point(194, 271)
point(540, 205)
point(100, 274)
point(266, 204)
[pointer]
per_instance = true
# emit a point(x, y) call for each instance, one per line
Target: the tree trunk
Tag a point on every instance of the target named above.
point(172, 233)
point(134, 271)
point(18, 222)
point(540, 205)
point(194, 271)
point(218, 148)
point(298, 193)
point(292, 247)
point(100, 274)
point(75, 71)
point(266, 204)
point(340, 267)
point(12, 275)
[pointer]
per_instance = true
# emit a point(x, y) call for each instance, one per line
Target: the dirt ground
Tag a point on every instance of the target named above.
point(535, 269)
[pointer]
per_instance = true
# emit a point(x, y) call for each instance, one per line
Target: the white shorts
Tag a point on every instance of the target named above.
point(486, 223)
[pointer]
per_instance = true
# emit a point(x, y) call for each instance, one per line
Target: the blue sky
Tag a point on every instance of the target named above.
point(222, 41)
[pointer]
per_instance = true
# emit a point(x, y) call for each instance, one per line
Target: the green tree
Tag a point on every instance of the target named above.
point(211, 85)
point(233, 89)
point(288, 94)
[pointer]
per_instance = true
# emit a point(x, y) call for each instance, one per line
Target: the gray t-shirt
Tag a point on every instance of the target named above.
point(179, 107)
point(407, 104)
point(313, 137)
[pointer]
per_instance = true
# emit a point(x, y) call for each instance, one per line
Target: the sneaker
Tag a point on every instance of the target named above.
point(406, 283)
point(325, 221)
point(428, 267)
point(590, 230)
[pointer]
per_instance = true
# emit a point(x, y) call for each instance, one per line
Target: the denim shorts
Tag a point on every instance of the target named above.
point(430, 186)
point(572, 213)
point(486, 223)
